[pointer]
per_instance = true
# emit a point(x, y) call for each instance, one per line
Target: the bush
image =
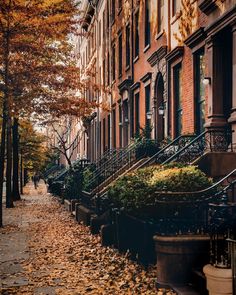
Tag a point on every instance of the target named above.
point(185, 179)
point(74, 182)
point(87, 177)
point(137, 191)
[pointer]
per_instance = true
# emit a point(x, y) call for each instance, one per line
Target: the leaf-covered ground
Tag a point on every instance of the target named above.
point(48, 252)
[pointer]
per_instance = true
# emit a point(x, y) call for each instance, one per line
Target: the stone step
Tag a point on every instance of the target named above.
point(185, 290)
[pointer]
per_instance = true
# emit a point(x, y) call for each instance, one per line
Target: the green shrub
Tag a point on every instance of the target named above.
point(87, 177)
point(138, 190)
point(74, 182)
point(185, 179)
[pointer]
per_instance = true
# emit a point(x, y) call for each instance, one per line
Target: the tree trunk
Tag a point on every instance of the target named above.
point(2, 160)
point(21, 174)
point(15, 188)
point(9, 200)
point(25, 176)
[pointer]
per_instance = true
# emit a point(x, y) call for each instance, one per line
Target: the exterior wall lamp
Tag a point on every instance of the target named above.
point(126, 120)
point(149, 115)
point(161, 110)
point(92, 3)
point(206, 80)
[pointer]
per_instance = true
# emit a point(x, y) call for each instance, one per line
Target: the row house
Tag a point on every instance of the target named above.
point(167, 64)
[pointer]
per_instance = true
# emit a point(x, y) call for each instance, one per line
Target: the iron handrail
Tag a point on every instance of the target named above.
point(202, 192)
point(166, 147)
point(204, 146)
point(102, 170)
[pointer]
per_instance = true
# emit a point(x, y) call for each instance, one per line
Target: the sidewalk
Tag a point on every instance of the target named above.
point(44, 251)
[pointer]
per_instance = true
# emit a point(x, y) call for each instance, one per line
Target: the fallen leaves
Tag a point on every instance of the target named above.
point(67, 259)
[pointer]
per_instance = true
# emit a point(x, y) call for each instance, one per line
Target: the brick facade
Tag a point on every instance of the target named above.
point(172, 64)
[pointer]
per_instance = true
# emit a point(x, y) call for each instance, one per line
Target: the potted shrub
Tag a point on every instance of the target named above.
point(219, 273)
point(165, 196)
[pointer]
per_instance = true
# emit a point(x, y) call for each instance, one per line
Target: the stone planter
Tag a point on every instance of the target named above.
point(178, 255)
point(219, 280)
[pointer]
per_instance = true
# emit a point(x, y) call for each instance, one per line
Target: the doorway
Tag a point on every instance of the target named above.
point(159, 122)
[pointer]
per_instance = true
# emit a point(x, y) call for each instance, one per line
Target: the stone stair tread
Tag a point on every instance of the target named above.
point(185, 290)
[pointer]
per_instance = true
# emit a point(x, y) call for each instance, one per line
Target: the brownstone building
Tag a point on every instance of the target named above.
point(170, 64)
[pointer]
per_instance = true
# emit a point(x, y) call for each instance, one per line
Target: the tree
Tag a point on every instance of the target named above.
point(63, 143)
point(38, 73)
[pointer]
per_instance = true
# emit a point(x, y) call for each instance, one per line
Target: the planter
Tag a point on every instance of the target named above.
point(219, 280)
point(178, 255)
point(135, 235)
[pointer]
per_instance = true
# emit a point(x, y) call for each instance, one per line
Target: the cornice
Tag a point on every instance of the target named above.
point(125, 85)
point(146, 77)
point(207, 6)
point(195, 38)
point(175, 53)
point(135, 86)
point(157, 55)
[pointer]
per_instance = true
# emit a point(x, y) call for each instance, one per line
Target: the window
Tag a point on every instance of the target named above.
point(199, 91)
point(113, 62)
point(104, 135)
point(136, 34)
point(178, 99)
point(147, 23)
point(120, 125)
point(120, 54)
point(137, 123)
point(104, 72)
point(108, 69)
point(120, 4)
point(114, 128)
point(147, 103)
point(127, 45)
point(175, 6)
point(108, 131)
point(132, 115)
point(99, 33)
point(113, 9)
point(108, 17)
point(160, 15)
point(104, 24)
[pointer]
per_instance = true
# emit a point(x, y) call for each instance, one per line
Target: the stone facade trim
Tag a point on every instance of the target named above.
point(157, 55)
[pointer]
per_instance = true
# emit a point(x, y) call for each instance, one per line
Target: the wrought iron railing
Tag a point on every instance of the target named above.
point(104, 157)
point(168, 149)
point(232, 249)
point(208, 141)
point(53, 169)
point(121, 161)
point(187, 212)
point(222, 226)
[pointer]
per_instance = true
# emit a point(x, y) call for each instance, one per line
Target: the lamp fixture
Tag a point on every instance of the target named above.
point(149, 115)
point(92, 3)
point(126, 120)
point(206, 80)
point(120, 124)
point(161, 110)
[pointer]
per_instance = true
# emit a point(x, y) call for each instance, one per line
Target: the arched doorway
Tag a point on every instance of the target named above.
point(159, 108)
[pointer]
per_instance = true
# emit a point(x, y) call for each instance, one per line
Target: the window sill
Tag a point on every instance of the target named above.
point(160, 34)
point(136, 59)
point(119, 11)
point(176, 17)
point(127, 68)
point(146, 48)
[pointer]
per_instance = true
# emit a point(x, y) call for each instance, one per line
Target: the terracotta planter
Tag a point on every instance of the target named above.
point(177, 255)
point(219, 280)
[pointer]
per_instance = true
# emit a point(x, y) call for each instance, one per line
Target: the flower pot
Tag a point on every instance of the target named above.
point(219, 280)
point(178, 255)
